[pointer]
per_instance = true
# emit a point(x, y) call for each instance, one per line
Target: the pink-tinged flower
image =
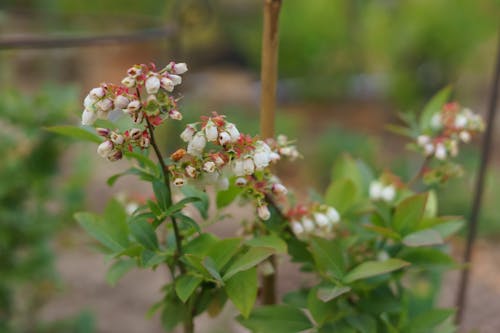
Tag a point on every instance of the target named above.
point(191, 171)
point(88, 117)
point(179, 68)
point(105, 148)
point(117, 139)
point(211, 131)
point(188, 133)
point(248, 165)
point(197, 144)
point(238, 168)
point(115, 155)
point(105, 105)
point(102, 131)
point(135, 134)
point(297, 228)
point(133, 106)
point(152, 84)
point(240, 181)
point(175, 115)
point(129, 82)
point(121, 102)
point(144, 142)
point(167, 84)
point(262, 156)
point(97, 93)
point(134, 71)
point(279, 189)
point(209, 166)
point(440, 152)
point(176, 79)
point(233, 132)
point(263, 212)
point(179, 182)
point(333, 215)
point(224, 138)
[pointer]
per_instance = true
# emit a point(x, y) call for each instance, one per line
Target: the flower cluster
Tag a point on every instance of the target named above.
point(385, 188)
point(313, 220)
point(152, 108)
point(448, 127)
point(217, 153)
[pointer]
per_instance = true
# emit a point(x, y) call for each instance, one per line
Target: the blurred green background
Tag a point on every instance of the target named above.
point(345, 68)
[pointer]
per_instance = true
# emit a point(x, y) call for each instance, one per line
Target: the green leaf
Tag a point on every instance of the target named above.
point(222, 251)
point(144, 234)
point(178, 206)
point(111, 235)
point(373, 268)
point(241, 289)
point(162, 194)
point(427, 258)
point(363, 323)
point(225, 198)
point(271, 242)
point(320, 311)
point(144, 160)
point(448, 228)
point(187, 222)
point(210, 266)
point(142, 174)
point(425, 237)
point(427, 321)
point(186, 285)
point(326, 294)
point(115, 213)
point(174, 311)
point(118, 269)
point(276, 319)
point(80, 133)
point(342, 194)
point(433, 107)
point(409, 213)
point(329, 256)
point(200, 245)
point(347, 167)
point(202, 204)
point(252, 258)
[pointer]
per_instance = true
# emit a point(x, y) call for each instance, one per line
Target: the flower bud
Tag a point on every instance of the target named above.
point(279, 189)
point(121, 102)
point(233, 132)
point(224, 138)
point(423, 140)
point(308, 224)
point(440, 151)
point(167, 84)
point(388, 193)
point(102, 131)
point(211, 131)
point(152, 84)
point(135, 134)
point(321, 219)
point(115, 155)
point(238, 168)
point(375, 190)
point(191, 171)
point(209, 167)
point(178, 154)
point(129, 82)
point(263, 212)
point(116, 138)
point(188, 133)
point(248, 165)
point(333, 215)
point(175, 115)
point(240, 181)
point(179, 68)
point(105, 148)
point(176, 79)
point(464, 136)
point(97, 93)
point(179, 182)
point(297, 228)
point(88, 117)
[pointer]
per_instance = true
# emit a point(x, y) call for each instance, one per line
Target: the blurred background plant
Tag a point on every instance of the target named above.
point(32, 207)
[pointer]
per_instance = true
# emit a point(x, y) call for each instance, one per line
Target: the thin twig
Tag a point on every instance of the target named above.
point(479, 189)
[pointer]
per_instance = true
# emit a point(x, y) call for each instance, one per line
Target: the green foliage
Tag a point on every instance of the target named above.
point(30, 164)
